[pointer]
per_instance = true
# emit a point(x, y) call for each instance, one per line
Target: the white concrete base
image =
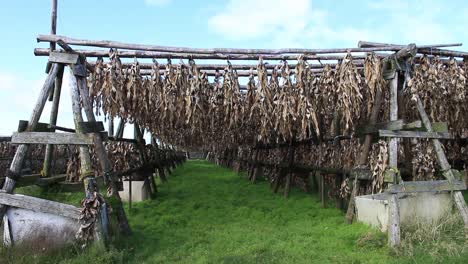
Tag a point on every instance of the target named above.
point(37, 230)
point(428, 207)
point(140, 191)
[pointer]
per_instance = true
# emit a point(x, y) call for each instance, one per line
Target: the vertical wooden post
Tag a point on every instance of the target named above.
point(394, 220)
point(130, 191)
point(46, 171)
point(14, 171)
point(104, 160)
point(53, 24)
point(322, 189)
point(86, 170)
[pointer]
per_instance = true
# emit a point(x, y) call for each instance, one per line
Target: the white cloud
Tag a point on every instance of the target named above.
point(298, 23)
point(158, 2)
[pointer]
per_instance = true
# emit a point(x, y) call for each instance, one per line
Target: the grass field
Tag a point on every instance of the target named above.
point(209, 214)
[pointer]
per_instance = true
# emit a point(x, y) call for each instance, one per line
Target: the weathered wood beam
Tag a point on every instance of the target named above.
point(369, 44)
point(221, 67)
point(220, 56)
point(46, 170)
point(39, 205)
point(53, 22)
point(143, 47)
point(414, 134)
point(426, 186)
point(394, 210)
point(52, 138)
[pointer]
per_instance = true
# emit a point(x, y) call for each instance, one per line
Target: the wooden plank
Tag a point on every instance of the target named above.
point(427, 186)
point(414, 134)
point(28, 180)
point(7, 239)
point(391, 125)
point(52, 138)
point(62, 57)
point(40, 127)
point(413, 125)
point(91, 127)
point(361, 174)
point(440, 127)
point(50, 180)
point(39, 205)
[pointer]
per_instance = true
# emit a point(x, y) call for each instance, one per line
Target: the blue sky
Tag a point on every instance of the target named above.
point(231, 23)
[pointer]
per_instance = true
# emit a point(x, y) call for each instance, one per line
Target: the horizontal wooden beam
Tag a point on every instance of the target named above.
point(169, 49)
point(52, 138)
point(414, 134)
point(369, 44)
point(39, 205)
point(426, 186)
point(220, 56)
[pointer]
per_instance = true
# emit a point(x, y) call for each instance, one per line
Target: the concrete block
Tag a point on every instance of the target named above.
point(426, 206)
point(140, 191)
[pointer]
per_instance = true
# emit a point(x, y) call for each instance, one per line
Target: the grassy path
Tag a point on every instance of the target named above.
point(208, 214)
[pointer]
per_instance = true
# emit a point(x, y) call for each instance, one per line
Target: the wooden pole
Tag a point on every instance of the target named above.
point(394, 210)
point(142, 47)
point(14, 171)
point(104, 160)
point(86, 169)
point(165, 55)
point(53, 24)
point(46, 171)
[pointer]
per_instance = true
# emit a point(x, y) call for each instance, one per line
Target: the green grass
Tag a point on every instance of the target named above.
point(208, 214)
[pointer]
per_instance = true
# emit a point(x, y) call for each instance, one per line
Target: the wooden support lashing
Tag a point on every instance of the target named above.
point(443, 163)
point(103, 158)
point(15, 167)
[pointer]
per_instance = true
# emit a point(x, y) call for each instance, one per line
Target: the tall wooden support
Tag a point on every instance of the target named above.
point(444, 164)
point(53, 23)
point(46, 171)
point(104, 161)
point(14, 171)
point(86, 173)
point(394, 220)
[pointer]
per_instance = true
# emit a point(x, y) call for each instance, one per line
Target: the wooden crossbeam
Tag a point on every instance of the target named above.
point(427, 186)
point(39, 205)
point(52, 138)
point(414, 134)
